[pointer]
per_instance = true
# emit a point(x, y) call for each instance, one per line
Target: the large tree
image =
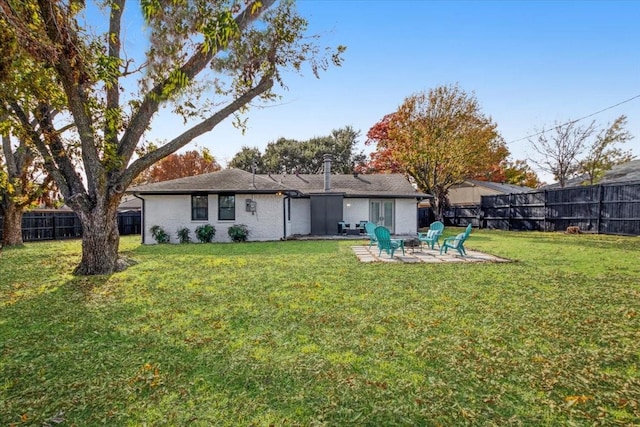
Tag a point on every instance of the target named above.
point(24, 183)
point(568, 150)
point(559, 149)
point(292, 156)
point(248, 159)
point(235, 48)
point(179, 165)
point(440, 139)
point(604, 153)
point(519, 172)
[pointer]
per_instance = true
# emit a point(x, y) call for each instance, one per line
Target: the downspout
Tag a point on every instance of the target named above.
point(141, 217)
point(284, 215)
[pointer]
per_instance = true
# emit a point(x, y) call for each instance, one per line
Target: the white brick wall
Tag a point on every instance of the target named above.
point(355, 210)
point(172, 212)
point(300, 217)
point(406, 216)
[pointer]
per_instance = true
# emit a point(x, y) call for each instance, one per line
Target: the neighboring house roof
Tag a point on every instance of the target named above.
point(626, 172)
point(130, 203)
point(239, 181)
point(503, 188)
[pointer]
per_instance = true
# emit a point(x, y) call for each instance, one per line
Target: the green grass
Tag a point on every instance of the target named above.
point(301, 333)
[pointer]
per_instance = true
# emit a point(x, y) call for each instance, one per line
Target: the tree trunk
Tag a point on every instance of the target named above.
point(441, 203)
point(12, 227)
point(100, 240)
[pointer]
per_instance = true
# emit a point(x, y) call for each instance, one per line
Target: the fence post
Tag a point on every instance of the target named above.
point(544, 220)
point(509, 212)
point(600, 204)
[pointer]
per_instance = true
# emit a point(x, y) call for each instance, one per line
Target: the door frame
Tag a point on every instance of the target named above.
point(382, 217)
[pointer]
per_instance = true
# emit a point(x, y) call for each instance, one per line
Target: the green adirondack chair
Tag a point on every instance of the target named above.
point(370, 228)
point(432, 236)
point(456, 242)
point(386, 243)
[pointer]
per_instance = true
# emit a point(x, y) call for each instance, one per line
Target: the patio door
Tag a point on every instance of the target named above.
point(381, 212)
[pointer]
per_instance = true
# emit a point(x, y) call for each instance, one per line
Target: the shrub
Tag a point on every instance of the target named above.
point(238, 232)
point(205, 233)
point(159, 234)
point(183, 235)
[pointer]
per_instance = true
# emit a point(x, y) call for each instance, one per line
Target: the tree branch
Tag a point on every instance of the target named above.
point(70, 69)
point(205, 126)
point(190, 69)
point(112, 88)
point(42, 148)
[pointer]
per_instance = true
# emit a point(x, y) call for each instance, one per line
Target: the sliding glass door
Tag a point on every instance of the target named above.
point(381, 212)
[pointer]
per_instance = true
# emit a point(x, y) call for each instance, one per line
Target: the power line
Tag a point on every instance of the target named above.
point(576, 120)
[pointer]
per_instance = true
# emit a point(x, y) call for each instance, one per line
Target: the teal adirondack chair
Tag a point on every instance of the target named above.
point(386, 243)
point(432, 237)
point(456, 242)
point(370, 228)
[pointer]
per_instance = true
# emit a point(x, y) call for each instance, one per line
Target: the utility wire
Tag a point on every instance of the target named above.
point(575, 121)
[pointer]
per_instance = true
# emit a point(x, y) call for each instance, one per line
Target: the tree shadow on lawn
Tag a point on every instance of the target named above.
point(88, 353)
point(109, 350)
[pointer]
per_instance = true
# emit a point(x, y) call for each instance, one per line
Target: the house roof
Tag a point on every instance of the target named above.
point(130, 203)
point(625, 172)
point(503, 188)
point(239, 181)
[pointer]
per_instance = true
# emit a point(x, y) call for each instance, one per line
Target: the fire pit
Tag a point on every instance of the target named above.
point(411, 242)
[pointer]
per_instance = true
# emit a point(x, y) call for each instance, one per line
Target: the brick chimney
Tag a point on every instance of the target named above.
point(327, 172)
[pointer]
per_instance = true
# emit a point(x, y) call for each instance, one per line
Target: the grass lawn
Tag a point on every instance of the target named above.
point(301, 333)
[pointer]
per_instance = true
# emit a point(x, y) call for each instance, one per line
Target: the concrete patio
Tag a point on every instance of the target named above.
point(366, 254)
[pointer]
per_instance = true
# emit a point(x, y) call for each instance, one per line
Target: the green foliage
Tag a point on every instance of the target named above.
point(205, 233)
point(159, 235)
point(238, 232)
point(205, 61)
point(291, 156)
point(247, 159)
point(301, 333)
point(219, 31)
point(184, 235)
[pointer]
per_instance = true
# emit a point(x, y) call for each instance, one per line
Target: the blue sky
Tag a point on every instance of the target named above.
point(530, 64)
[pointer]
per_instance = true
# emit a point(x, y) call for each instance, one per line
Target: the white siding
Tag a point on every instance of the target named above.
point(169, 212)
point(300, 217)
point(406, 216)
point(355, 210)
point(172, 212)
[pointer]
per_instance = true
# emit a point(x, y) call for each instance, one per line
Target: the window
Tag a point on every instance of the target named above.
point(199, 207)
point(226, 207)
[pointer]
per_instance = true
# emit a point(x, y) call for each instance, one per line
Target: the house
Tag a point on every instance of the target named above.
point(471, 191)
point(277, 207)
point(624, 172)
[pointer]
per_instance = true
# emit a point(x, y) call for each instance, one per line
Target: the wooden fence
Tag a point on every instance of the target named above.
point(604, 209)
point(56, 225)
